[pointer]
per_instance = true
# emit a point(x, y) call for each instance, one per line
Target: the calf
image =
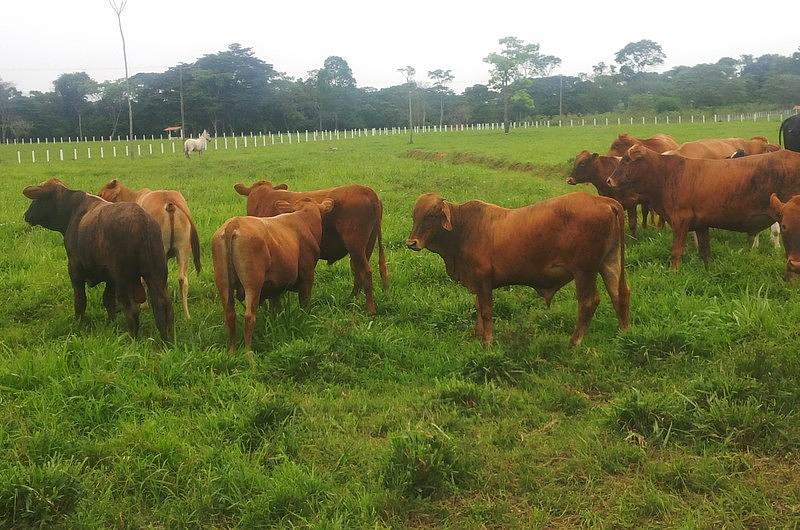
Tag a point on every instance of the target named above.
point(658, 142)
point(119, 244)
point(352, 228)
point(788, 215)
point(178, 232)
point(544, 246)
point(256, 258)
point(595, 169)
point(702, 194)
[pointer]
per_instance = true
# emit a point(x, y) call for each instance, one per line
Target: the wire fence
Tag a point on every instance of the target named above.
point(56, 149)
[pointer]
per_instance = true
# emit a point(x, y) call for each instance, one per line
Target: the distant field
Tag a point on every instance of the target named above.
point(339, 420)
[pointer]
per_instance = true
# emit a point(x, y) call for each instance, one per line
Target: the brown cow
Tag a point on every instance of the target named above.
point(658, 143)
point(719, 148)
point(788, 215)
point(119, 244)
point(595, 169)
point(256, 258)
point(702, 194)
point(352, 228)
point(545, 246)
point(177, 231)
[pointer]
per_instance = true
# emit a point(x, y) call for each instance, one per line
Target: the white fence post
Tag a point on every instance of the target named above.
point(19, 157)
point(61, 154)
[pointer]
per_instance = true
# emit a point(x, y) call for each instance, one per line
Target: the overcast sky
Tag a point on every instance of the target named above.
point(42, 38)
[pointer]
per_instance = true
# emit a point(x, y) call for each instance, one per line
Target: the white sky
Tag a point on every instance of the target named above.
point(43, 38)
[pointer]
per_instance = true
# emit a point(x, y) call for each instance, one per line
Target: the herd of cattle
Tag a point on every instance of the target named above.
point(124, 237)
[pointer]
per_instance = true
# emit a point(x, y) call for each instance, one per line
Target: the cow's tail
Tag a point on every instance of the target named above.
point(195, 239)
point(623, 292)
point(170, 209)
point(231, 231)
point(381, 252)
point(155, 278)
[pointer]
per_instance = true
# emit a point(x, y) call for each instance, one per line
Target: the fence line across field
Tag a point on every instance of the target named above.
point(253, 140)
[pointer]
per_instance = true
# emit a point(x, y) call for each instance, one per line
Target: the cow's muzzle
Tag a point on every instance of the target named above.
point(793, 265)
point(571, 181)
point(413, 244)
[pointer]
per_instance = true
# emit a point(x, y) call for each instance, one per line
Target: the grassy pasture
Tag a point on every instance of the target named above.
point(338, 420)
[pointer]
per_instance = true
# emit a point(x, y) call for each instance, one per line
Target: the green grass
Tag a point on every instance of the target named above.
point(339, 420)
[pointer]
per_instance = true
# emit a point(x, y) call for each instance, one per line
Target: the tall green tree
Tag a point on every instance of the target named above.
point(509, 67)
point(74, 91)
point(409, 72)
point(636, 57)
point(441, 78)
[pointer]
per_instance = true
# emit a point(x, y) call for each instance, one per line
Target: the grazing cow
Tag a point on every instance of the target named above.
point(595, 169)
point(352, 228)
point(178, 232)
point(789, 133)
point(119, 244)
point(702, 194)
point(717, 149)
point(788, 215)
point(658, 143)
point(256, 258)
point(544, 246)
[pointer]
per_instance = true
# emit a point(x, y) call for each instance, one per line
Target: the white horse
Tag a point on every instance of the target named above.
point(199, 145)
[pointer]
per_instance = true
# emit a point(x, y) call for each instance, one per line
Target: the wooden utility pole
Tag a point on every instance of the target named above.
point(183, 120)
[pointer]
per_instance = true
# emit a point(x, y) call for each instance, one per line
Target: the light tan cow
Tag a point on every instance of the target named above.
point(178, 232)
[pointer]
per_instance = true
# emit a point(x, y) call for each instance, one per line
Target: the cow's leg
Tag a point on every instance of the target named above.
point(617, 288)
point(754, 240)
point(252, 297)
point(304, 290)
point(478, 318)
point(110, 300)
point(275, 304)
point(632, 219)
point(363, 276)
point(485, 312)
point(680, 228)
point(79, 291)
point(128, 295)
point(182, 258)
point(588, 299)
point(645, 214)
point(704, 245)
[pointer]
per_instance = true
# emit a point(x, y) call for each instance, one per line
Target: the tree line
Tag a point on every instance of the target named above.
point(234, 91)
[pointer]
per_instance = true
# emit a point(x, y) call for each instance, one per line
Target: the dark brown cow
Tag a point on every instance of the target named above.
point(788, 215)
point(119, 244)
point(256, 258)
point(658, 143)
point(169, 209)
point(718, 148)
point(544, 246)
point(352, 228)
point(702, 194)
point(595, 169)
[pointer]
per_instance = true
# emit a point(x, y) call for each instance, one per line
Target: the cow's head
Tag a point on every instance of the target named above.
point(432, 216)
point(306, 203)
point(241, 189)
point(583, 170)
point(630, 167)
point(45, 210)
point(788, 215)
point(621, 145)
point(114, 191)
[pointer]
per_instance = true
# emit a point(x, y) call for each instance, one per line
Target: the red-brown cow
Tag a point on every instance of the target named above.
point(718, 148)
point(256, 258)
point(702, 194)
point(169, 209)
point(595, 169)
point(544, 246)
point(658, 143)
point(352, 228)
point(788, 215)
point(119, 244)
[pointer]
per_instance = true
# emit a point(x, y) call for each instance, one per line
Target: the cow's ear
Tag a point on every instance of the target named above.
point(284, 207)
point(776, 206)
point(281, 187)
point(447, 216)
point(112, 183)
point(38, 192)
point(241, 189)
point(326, 206)
point(635, 152)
